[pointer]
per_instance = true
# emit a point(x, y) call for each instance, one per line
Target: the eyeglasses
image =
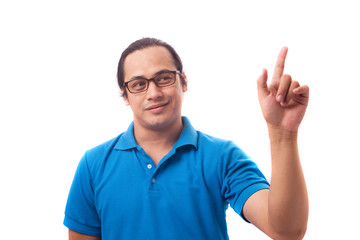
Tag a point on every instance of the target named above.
point(162, 79)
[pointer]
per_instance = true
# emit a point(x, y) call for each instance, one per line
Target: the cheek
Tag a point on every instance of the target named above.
point(179, 97)
point(133, 103)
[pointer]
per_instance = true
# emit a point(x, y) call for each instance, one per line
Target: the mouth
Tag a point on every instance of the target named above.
point(156, 107)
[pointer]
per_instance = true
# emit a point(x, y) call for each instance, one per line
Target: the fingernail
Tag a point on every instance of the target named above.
point(284, 51)
point(279, 98)
point(283, 104)
point(263, 72)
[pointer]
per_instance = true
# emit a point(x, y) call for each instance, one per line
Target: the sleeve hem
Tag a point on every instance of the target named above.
point(81, 228)
point(238, 207)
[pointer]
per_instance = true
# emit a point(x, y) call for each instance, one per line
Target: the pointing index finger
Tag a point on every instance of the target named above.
point(280, 64)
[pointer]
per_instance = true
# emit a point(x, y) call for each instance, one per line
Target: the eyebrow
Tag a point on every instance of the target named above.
point(142, 77)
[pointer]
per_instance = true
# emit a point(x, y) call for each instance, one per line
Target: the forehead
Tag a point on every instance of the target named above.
point(148, 61)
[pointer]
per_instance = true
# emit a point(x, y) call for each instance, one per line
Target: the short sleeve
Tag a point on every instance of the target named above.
point(239, 176)
point(80, 212)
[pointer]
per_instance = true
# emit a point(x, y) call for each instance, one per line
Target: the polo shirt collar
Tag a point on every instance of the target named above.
point(188, 137)
point(127, 140)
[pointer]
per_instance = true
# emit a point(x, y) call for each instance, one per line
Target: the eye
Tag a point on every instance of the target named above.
point(138, 84)
point(165, 78)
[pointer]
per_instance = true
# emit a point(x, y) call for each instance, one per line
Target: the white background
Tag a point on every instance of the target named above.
point(59, 96)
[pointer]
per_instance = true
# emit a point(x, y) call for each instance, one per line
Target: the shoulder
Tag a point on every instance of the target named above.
point(98, 154)
point(217, 145)
point(206, 139)
point(104, 147)
point(221, 152)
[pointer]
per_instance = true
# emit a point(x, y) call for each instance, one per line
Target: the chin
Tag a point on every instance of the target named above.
point(161, 122)
point(158, 125)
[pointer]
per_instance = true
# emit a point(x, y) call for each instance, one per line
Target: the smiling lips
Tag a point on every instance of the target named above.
point(156, 107)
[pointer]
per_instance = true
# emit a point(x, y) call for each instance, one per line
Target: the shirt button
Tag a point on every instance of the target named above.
point(153, 180)
point(149, 166)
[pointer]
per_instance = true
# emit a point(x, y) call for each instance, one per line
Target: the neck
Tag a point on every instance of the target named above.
point(158, 137)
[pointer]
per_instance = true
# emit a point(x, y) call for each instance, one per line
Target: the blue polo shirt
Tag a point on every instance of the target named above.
point(118, 192)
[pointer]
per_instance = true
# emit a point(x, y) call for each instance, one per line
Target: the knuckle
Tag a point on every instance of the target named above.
point(295, 83)
point(280, 65)
point(287, 77)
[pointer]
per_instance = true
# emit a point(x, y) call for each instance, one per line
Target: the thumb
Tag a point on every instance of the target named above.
point(262, 85)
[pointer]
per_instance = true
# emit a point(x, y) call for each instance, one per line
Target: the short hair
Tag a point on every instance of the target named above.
point(139, 45)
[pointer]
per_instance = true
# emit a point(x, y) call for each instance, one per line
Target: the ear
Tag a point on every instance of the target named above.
point(184, 81)
point(126, 100)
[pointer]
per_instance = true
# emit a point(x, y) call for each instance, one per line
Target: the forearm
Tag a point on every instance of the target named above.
point(288, 200)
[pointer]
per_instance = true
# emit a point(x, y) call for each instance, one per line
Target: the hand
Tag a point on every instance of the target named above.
point(284, 101)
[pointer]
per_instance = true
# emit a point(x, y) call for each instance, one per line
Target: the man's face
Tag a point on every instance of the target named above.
point(157, 108)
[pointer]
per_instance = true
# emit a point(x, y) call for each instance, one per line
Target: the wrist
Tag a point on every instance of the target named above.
point(277, 134)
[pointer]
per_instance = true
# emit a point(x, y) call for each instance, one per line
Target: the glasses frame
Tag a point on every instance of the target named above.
point(125, 84)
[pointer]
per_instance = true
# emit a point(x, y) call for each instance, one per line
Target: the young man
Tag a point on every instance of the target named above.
point(161, 179)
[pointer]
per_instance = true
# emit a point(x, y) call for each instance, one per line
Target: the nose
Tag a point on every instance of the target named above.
point(153, 91)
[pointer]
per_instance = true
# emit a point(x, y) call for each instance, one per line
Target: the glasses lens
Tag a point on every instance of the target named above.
point(165, 79)
point(137, 85)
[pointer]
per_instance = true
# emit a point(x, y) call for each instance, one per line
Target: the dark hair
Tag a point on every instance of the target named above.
point(141, 44)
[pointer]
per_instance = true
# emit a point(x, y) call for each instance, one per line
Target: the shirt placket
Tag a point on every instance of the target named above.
point(150, 171)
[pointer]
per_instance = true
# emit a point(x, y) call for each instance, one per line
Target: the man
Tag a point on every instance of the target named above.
point(161, 179)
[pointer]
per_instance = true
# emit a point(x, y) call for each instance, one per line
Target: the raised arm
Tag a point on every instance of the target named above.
point(282, 211)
